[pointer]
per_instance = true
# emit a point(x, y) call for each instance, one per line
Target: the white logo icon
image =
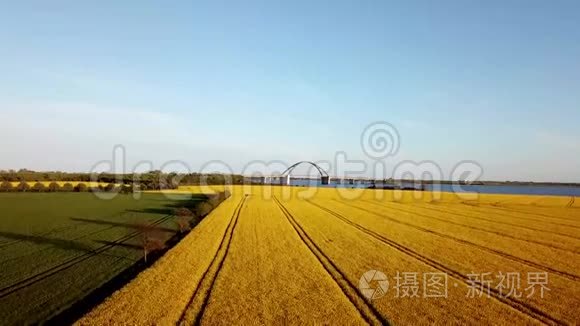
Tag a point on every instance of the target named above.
point(373, 284)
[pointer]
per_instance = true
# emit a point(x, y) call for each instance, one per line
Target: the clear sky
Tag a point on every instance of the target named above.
point(497, 82)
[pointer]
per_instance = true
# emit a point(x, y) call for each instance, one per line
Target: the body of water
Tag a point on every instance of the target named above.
point(484, 189)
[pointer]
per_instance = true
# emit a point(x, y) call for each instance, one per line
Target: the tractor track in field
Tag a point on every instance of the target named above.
point(452, 212)
point(571, 202)
point(543, 216)
point(367, 311)
point(522, 307)
point(496, 252)
point(5, 291)
point(216, 263)
point(501, 234)
point(508, 209)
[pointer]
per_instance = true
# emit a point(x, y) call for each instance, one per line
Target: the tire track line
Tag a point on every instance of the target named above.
point(522, 307)
point(367, 311)
point(200, 296)
point(70, 262)
point(501, 234)
point(566, 275)
point(453, 212)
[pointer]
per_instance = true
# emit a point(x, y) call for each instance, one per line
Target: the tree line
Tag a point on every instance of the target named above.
point(152, 180)
point(152, 239)
point(23, 186)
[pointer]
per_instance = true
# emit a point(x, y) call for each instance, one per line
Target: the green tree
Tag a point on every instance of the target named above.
point(38, 187)
point(6, 186)
point(109, 187)
point(53, 187)
point(126, 189)
point(23, 186)
point(67, 187)
point(81, 187)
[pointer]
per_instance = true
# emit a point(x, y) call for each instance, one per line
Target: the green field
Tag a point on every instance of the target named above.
point(57, 247)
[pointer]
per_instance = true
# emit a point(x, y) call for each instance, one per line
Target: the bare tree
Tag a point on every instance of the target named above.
point(184, 218)
point(151, 239)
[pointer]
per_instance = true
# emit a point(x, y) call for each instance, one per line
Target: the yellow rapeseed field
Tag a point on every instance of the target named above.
point(289, 255)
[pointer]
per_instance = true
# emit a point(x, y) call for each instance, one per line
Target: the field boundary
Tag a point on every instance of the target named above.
point(371, 315)
point(220, 254)
point(523, 307)
point(500, 253)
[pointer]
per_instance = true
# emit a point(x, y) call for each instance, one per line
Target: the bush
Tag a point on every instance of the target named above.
point(53, 187)
point(38, 187)
point(67, 187)
point(215, 199)
point(23, 186)
point(182, 211)
point(6, 186)
point(109, 187)
point(184, 223)
point(203, 209)
point(81, 187)
point(126, 189)
point(151, 239)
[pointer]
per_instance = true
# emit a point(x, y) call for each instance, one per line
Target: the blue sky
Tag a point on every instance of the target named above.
point(497, 82)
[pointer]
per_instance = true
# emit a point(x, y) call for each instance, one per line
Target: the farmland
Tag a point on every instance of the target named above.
point(290, 255)
point(55, 248)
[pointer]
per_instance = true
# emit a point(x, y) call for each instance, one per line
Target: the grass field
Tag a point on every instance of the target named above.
point(55, 248)
point(274, 256)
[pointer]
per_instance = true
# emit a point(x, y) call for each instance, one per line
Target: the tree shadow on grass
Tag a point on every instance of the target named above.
point(192, 197)
point(161, 211)
point(169, 208)
point(60, 243)
point(120, 224)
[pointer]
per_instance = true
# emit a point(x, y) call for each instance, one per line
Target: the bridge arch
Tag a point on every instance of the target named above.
point(324, 177)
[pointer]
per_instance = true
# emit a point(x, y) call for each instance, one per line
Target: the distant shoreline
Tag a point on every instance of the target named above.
point(508, 183)
point(212, 178)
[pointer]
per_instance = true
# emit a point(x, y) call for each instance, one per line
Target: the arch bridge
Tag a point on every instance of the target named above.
point(285, 176)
